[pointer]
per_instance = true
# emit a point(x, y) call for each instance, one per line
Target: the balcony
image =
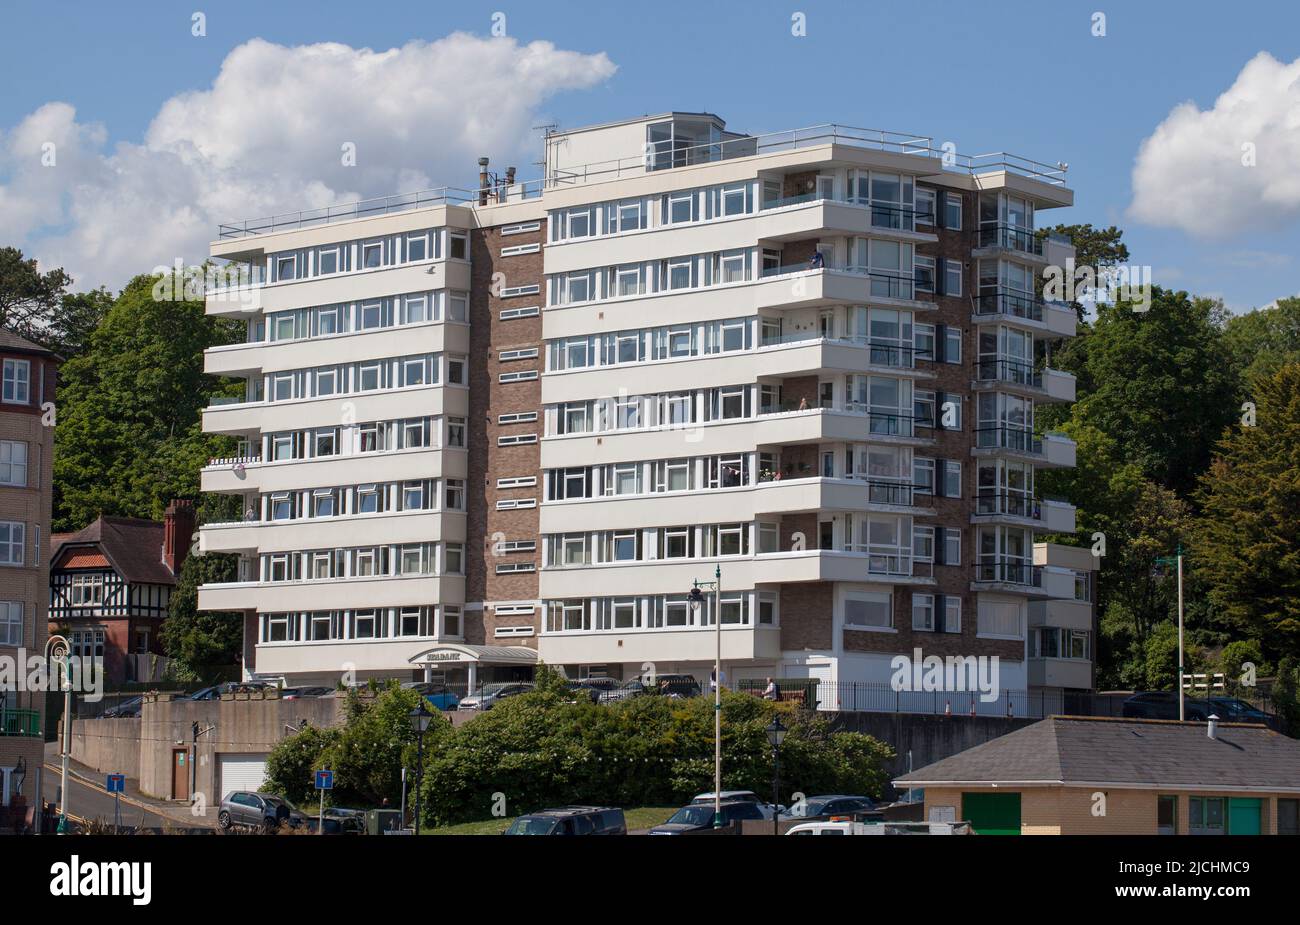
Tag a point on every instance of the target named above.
point(787, 496)
point(794, 217)
point(1052, 450)
point(793, 354)
point(256, 357)
point(1023, 510)
point(815, 283)
point(329, 532)
point(1006, 574)
point(662, 645)
point(20, 723)
point(333, 593)
point(1016, 307)
point(1070, 673)
point(993, 240)
point(244, 474)
point(1025, 378)
point(239, 416)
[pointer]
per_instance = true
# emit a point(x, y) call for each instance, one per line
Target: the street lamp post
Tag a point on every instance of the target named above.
point(1177, 558)
point(776, 735)
point(696, 598)
point(57, 648)
point(420, 718)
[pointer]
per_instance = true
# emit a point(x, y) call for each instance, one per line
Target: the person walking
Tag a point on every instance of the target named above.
point(771, 692)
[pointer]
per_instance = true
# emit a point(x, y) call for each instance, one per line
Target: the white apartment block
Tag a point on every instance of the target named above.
point(483, 429)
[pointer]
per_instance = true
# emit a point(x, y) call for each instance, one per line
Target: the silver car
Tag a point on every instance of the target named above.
point(247, 808)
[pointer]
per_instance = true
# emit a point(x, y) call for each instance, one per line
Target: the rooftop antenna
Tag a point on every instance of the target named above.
point(547, 129)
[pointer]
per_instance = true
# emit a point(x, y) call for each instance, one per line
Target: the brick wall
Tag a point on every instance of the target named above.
point(489, 398)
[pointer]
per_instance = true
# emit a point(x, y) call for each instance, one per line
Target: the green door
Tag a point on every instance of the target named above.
point(992, 813)
point(1243, 816)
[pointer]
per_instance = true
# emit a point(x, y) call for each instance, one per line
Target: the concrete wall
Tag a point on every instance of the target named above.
point(930, 738)
point(237, 724)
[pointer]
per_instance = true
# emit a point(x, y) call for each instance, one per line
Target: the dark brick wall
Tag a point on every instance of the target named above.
point(488, 399)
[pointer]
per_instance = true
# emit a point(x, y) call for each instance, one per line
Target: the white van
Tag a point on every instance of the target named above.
point(880, 828)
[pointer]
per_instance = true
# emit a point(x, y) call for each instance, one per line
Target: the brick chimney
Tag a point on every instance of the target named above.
point(178, 528)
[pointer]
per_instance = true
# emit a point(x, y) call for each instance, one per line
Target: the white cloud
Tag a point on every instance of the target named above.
point(1190, 174)
point(267, 137)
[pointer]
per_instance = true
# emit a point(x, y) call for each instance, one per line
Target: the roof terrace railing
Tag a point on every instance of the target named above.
point(655, 158)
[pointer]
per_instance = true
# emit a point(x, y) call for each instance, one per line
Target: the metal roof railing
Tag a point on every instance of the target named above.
point(656, 158)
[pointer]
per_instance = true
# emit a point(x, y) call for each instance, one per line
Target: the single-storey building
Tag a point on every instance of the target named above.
point(1074, 775)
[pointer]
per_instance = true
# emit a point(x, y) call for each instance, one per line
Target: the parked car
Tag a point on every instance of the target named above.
point(833, 805)
point(493, 693)
point(740, 796)
point(1232, 710)
point(298, 693)
point(215, 692)
point(846, 827)
point(124, 709)
point(438, 695)
point(1163, 705)
point(594, 687)
point(571, 820)
point(699, 816)
point(350, 821)
point(247, 808)
point(671, 685)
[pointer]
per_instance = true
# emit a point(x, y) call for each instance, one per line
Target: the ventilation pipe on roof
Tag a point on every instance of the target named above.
point(1212, 727)
point(482, 181)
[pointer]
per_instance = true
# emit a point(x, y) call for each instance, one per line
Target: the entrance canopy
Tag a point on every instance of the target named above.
point(450, 654)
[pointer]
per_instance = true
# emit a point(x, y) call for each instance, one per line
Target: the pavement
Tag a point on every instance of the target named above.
point(89, 799)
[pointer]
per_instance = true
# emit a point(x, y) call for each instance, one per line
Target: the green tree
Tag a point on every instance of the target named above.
point(1098, 248)
point(1262, 341)
point(1163, 385)
point(28, 297)
point(202, 644)
point(1246, 538)
point(129, 437)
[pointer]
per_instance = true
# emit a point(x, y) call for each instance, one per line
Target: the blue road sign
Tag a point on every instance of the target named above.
point(324, 780)
point(116, 783)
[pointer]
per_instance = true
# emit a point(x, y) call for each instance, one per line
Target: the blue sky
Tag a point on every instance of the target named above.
point(1029, 78)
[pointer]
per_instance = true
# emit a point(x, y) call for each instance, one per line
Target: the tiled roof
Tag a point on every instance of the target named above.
point(11, 341)
point(133, 546)
point(1065, 749)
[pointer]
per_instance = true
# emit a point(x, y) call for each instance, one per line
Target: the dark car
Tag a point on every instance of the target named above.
point(348, 821)
point(594, 687)
point(215, 692)
point(675, 685)
point(124, 709)
point(1232, 710)
point(439, 696)
point(571, 820)
point(697, 817)
point(830, 805)
point(248, 808)
point(299, 693)
point(1163, 705)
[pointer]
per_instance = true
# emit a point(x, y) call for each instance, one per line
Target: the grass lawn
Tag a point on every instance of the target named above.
point(640, 817)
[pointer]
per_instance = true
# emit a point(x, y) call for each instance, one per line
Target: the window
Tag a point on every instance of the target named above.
point(952, 345)
point(923, 271)
point(458, 245)
point(952, 211)
point(367, 499)
point(1004, 619)
point(924, 206)
point(952, 546)
point(451, 621)
point(952, 275)
point(372, 255)
point(368, 377)
point(868, 609)
point(417, 247)
point(17, 382)
point(456, 432)
point(1205, 815)
point(952, 614)
point(286, 267)
point(453, 559)
point(923, 612)
point(455, 495)
point(13, 462)
point(458, 306)
point(327, 261)
point(11, 623)
point(923, 544)
point(281, 506)
point(12, 535)
point(1167, 815)
point(951, 479)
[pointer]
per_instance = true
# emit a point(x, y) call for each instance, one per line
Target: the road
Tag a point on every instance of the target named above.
point(90, 802)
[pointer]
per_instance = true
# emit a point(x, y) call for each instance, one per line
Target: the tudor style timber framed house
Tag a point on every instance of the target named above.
point(110, 587)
